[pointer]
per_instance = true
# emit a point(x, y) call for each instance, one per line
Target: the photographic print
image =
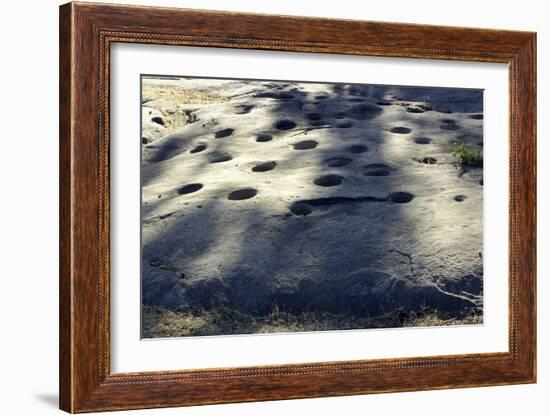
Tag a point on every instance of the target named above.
point(273, 206)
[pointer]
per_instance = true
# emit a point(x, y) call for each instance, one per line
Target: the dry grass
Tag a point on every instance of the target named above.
point(160, 322)
point(433, 319)
point(179, 95)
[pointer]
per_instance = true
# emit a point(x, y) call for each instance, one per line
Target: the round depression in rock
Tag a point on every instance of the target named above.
point(301, 209)
point(284, 125)
point(226, 132)
point(264, 137)
point(305, 145)
point(401, 197)
point(423, 140)
point(219, 157)
point(190, 188)
point(329, 180)
point(265, 166)
point(198, 148)
point(400, 130)
point(242, 194)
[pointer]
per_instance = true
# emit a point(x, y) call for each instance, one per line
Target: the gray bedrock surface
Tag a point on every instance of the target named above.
point(340, 198)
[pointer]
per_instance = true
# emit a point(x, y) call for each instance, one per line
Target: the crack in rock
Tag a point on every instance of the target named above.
point(409, 257)
point(297, 208)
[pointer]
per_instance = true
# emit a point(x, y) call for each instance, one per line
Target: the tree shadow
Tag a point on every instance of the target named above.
point(50, 399)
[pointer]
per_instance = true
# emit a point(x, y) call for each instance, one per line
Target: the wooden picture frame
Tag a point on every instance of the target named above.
point(86, 33)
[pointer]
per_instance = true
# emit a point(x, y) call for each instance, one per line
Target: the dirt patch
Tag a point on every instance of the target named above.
point(179, 95)
point(243, 194)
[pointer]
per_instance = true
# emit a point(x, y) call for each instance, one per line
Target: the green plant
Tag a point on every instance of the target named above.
point(468, 157)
